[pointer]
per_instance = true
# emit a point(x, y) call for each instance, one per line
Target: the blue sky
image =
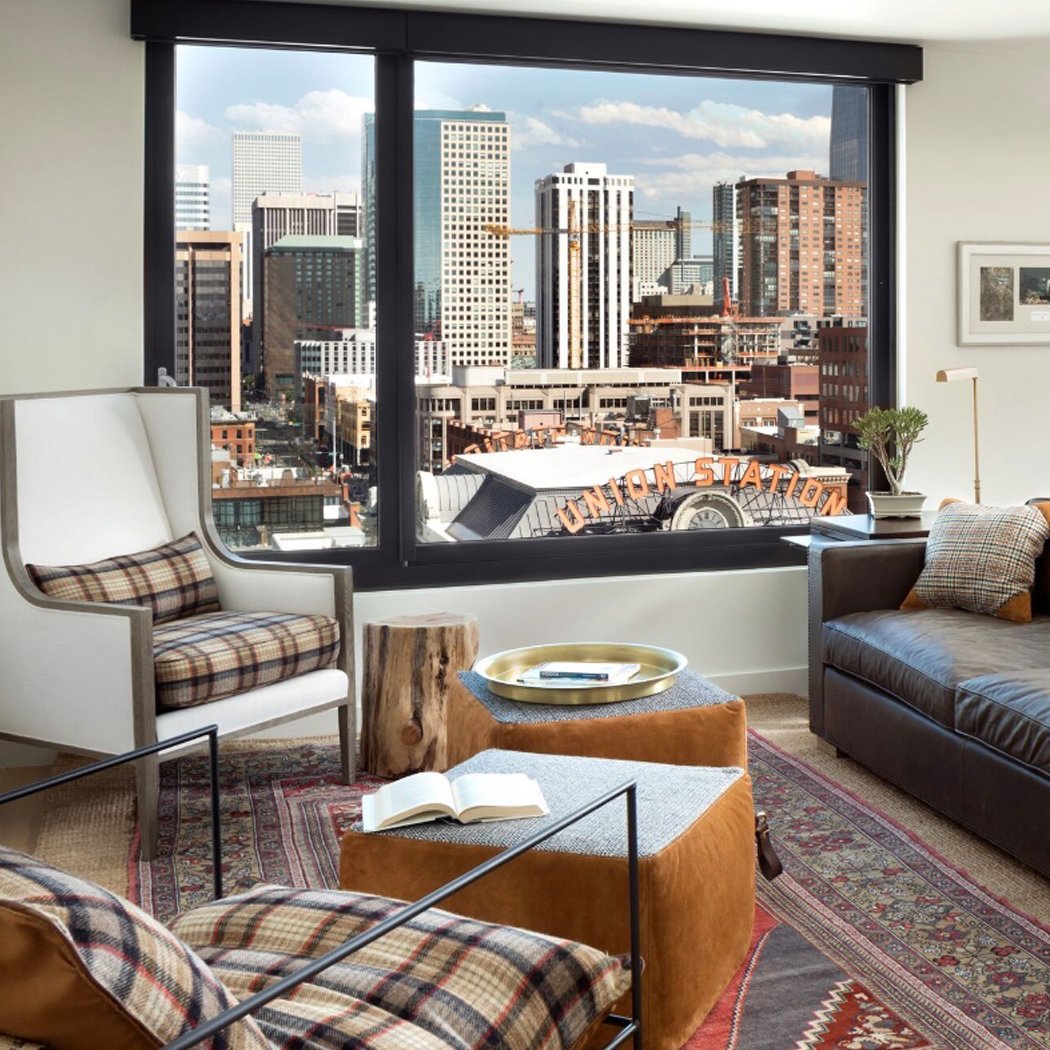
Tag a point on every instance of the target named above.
point(676, 135)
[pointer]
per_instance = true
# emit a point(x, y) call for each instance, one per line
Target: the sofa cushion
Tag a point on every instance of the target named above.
point(1010, 713)
point(920, 657)
point(174, 580)
point(982, 559)
point(78, 959)
point(441, 980)
point(220, 654)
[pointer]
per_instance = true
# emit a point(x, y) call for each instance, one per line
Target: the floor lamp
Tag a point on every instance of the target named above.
point(949, 375)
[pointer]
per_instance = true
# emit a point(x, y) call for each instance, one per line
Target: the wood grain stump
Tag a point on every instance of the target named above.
point(410, 663)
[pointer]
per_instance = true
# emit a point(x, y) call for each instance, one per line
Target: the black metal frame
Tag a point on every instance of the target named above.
point(211, 732)
point(398, 38)
point(629, 1026)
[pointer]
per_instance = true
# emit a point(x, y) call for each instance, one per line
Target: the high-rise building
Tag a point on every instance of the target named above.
point(849, 133)
point(263, 161)
point(583, 267)
point(192, 197)
point(208, 314)
point(801, 246)
point(312, 291)
point(725, 239)
point(653, 251)
point(462, 271)
point(683, 239)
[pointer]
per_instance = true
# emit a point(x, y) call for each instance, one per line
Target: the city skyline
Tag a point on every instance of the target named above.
point(676, 136)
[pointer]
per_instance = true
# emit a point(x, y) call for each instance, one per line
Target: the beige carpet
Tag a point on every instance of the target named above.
point(88, 826)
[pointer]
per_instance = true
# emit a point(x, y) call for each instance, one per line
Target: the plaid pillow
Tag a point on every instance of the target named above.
point(982, 559)
point(82, 965)
point(441, 980)
point(208, 657)
point(174, 580)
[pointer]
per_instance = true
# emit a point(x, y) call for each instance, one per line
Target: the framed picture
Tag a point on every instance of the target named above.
point(1004, 293)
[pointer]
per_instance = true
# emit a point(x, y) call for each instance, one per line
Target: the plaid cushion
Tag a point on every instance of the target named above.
point(127, 962)
point(981, 559)
point(173, 580)
point(441, 980)
point(220, 654)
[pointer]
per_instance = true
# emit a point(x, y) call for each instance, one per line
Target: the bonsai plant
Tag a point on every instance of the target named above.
point(890, 434)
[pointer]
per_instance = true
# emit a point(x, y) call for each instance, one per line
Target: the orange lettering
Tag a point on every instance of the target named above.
point(811, 492)
point(704, 475)
point(752, 476)
point(663, 475)
point(570, 516)
point(637, 483)
point(833, 504)
point(596, 502)
point(792, 482)
point(614, 488)
point(727, 469)
point(776, 472)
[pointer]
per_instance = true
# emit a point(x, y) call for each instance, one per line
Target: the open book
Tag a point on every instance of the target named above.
point(470, 797)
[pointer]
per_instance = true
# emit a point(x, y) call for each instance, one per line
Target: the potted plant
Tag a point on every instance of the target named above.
point(890, 434)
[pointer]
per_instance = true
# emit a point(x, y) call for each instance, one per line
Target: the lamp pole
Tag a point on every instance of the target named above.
point(976, 463)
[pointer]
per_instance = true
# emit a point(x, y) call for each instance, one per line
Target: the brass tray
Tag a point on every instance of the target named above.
point(658, 671)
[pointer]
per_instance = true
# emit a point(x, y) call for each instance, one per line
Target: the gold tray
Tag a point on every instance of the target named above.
point(658, 671)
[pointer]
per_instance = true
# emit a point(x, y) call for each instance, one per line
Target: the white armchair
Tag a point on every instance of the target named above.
point(92, 476)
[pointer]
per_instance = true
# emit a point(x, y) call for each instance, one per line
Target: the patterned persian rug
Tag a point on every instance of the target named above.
point(868, 940)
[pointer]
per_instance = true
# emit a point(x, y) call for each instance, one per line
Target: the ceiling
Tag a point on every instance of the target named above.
point(911, 21)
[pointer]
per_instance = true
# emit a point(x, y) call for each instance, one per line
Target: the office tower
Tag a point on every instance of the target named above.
point(263, 161)
point(192, 197)
point(208, 314)
point(802, 246)
point(347, 214)
point(583, 267)
point(849, 133)
point(725, 240)
point(653, 248)
point(462, 270)
point(683, 240)
point(312, 290)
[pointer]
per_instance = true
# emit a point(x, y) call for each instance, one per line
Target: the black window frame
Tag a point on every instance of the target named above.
point(398, 38)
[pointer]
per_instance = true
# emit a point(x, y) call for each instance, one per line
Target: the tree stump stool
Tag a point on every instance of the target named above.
point(410, 664)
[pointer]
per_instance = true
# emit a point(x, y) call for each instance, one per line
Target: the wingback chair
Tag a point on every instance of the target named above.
point(88, 479)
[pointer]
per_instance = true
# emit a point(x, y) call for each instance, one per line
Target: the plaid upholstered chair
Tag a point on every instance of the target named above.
point(123, 619)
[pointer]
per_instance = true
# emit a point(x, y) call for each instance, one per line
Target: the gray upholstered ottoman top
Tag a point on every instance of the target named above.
point(689, 690)
point(670, 799)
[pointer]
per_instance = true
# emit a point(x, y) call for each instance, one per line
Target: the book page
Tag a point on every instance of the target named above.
point(411, 800)
point(495, 796)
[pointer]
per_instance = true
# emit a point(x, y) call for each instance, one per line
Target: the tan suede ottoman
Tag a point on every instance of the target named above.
point(696, 872)
point(694, 723)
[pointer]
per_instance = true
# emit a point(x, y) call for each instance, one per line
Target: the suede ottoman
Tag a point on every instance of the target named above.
point(694, 723)
point(696, 873)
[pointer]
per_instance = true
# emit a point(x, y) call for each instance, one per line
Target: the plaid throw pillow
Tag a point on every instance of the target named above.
point(982, 559)
point(174, 580)
point(83, 966)
point(440, 980)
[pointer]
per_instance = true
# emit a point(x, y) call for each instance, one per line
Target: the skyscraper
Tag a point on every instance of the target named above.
point(725, 239)
point(262, 161)
point(462, 271)
point(848, 159)
point(583, 267)
point(208, 314)
point(192, 197)
point(653, 251)
point(802, 246)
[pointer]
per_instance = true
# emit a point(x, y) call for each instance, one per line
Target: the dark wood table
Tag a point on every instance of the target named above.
point(865, 527)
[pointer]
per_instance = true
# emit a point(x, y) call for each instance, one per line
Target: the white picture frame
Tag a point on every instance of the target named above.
point(1003, 293)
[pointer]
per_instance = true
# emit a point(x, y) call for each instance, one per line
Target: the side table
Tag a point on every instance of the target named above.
point(693, 723)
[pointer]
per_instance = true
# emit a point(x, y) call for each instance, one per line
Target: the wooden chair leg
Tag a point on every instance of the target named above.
point(147, 781)
point(347, 743)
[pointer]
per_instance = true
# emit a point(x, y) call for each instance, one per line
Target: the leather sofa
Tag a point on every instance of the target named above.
point(951, 706)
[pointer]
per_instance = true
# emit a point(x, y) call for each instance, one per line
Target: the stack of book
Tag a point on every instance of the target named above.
point(578, 673)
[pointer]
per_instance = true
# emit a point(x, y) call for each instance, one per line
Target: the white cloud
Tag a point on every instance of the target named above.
point(319, 116)
point(192, 134)
point(534, 132)
point(724, 124)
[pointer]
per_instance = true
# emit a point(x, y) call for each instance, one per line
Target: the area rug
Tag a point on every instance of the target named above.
point(868, 940)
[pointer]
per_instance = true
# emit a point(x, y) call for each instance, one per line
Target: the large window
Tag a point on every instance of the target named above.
point(562, 298)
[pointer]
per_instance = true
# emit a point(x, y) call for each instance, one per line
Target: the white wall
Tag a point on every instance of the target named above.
point(977, 163)
point(71, 114)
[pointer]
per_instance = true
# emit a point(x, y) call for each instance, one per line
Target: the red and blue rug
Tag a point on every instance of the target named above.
point(868, 941)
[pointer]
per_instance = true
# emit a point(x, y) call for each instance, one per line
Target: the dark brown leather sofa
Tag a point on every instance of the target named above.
point(951, 706)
